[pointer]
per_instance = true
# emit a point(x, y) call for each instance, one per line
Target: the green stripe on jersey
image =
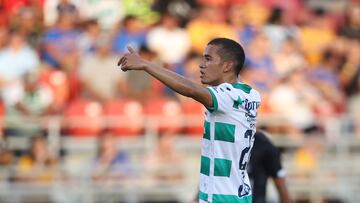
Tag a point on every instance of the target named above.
point(222, 167)
point(206, 130)
point(224, 132)
point(244, 87)
point(231, 199)
point(203, 196)
point(205, 165)
point(214, 101)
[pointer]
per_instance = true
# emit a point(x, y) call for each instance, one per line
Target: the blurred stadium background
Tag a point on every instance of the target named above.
point(74, 128)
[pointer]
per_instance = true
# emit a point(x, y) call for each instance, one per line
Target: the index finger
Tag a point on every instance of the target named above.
point(131, 50)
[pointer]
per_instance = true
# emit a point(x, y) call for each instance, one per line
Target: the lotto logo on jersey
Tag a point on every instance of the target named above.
point(251, 105)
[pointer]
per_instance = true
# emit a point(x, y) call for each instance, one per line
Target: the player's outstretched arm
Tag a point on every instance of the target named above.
point(180, 84)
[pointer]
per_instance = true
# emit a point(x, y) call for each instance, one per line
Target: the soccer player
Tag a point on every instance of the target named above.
point(265, 162)
point(230, 119)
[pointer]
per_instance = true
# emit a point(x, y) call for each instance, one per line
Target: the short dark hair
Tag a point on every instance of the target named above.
point(230, 51)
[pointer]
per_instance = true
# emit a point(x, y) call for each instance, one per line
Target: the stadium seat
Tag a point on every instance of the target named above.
point(194, 114)
point(83, 118)
point(124, 117)
point(166, 113)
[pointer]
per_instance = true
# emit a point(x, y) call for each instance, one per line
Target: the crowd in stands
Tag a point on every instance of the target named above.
point(59, 59)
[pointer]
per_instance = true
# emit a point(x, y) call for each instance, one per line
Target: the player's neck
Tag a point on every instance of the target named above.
point(232, 79)
point(226, 79)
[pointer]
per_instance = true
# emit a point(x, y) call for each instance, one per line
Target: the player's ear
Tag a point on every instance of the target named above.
point(228, 66)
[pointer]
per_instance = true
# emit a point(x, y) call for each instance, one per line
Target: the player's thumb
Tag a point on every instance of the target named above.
point(131, 50)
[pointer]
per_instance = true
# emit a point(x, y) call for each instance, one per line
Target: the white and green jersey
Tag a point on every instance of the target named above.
point(229, 130)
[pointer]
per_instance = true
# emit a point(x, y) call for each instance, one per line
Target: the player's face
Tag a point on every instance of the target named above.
point(211, 66)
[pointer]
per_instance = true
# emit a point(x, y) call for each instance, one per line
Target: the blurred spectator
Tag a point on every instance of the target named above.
point(182, 9)
point(66, 6)
point(28, 24)
point(292, 10)
point(38, 165)
point(111, 164)
point(108, 13)
point(208, 24)
point(349, 74)
point(89, 37)
point(174, 52)
point(3, 36)
point(256, 13)
point(140, 9)
point(288, 58)
point(293, 100)
point(55, 8)
point(191, 67)
point(140, 84)
point(29, 101)
point(260, 71)
point(325, 78)
point(98, 75)
point(351, 27)
point(7, 159)
point(16, 60)
point(3, 16)
point(276, 30)
point(131, 33)
point(61, 44)
point(164, 163)
point(11, 9)
point(238, 20)
point(316, 36)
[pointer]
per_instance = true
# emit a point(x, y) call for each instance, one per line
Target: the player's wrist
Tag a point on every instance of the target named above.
point(146, 65)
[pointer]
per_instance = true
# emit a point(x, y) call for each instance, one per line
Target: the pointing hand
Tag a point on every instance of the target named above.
point(131, 61)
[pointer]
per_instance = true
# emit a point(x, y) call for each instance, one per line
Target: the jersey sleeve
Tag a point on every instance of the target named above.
point(221, 98)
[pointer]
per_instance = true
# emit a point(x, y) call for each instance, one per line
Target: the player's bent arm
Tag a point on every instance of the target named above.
point(180, 84)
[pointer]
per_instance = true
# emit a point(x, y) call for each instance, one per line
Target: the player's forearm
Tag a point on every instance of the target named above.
point(173, 80)
point(282, 190)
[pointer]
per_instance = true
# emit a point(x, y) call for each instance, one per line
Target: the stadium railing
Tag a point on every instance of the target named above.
point(335, 177)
